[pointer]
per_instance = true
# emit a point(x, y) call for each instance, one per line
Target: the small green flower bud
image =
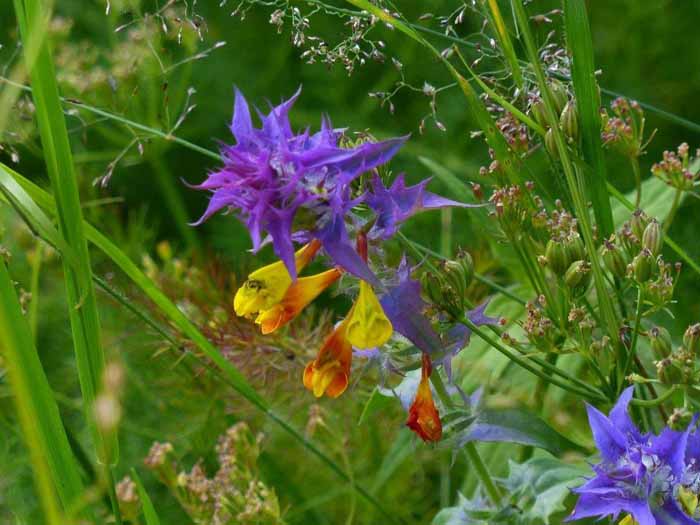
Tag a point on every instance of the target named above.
point(653, 237)
point(575, 248)
point(433, 288)
point(557, 257)
point(569, 121)
point(680, 419)
point(661, 343)
point(639, 223)
point(642, 266)
point(559, 94)
point(465, 259)
point(578, 277)
point(668, 373)
point(614, 259)
point(538, 112)
point(551, 144)
point(691, 338)
point(456, 280)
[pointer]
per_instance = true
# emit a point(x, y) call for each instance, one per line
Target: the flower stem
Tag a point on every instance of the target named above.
point(637, 180)
point(672, 212)
point(482, 471)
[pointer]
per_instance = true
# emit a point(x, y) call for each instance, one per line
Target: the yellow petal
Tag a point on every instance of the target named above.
point(368, 325)
point(267, 286)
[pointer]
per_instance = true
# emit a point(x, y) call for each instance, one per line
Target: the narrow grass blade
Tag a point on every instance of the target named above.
point(53, 463)
point(231, 374)
point(149, 511)
point(578, 39)
point(496, 19)
point(59, 163)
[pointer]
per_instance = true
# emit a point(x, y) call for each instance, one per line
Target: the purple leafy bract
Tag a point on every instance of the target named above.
point(459, 335)
point(397, 203)
point(271, 173)
point(638, 473)
point(404, 307)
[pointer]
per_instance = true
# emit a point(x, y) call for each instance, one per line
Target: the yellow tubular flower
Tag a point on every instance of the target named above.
point(267, 286)
point(368, 325)
point(297, 297)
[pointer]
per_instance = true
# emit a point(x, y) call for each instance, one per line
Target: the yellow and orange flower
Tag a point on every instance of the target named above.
point(423, 417)
point(368, 325)
point(297, 297)
point(329, 373)
point(268, 285)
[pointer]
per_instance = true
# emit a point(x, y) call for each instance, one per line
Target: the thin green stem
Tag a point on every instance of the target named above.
point(659, 400)
point(634, 161)
point(482, 471)
point(33, 313)
point(591, 393)
point(674, 208)
point(635, 336)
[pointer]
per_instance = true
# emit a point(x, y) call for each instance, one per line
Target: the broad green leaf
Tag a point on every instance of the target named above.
point(513, 425)
point(541, 485)
point(657, 198)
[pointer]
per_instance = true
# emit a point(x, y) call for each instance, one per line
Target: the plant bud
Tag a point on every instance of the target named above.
point(668, 373)
point(433, 288)
point(642, 266)
point(456, 280)
point(680, 419)
point(691, 338)
point(574, 247)
point(465, 259)
point(638, 223)
point(614, 259)
point(557, 257)
point(569, 121)
point(538, 112)
point(688, 499)
point(551, 144)
point(559, 95)
point(661, 343)
point(653, 237)
point(578, 277)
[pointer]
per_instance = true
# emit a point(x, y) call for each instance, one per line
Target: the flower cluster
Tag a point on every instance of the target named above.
point(655, 479)
point(306, 188)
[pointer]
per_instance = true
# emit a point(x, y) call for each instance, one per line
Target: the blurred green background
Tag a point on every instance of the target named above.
point(645, 50)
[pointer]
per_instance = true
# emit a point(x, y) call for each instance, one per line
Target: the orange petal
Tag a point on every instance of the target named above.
point(298, 296)
point(423, 417)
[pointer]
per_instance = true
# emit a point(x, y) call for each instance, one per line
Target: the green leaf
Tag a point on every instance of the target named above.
point(149, 511)
point(580, 45)
point(53, 463)
point(514, 425)
point(657, 199)
point(541, 485)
